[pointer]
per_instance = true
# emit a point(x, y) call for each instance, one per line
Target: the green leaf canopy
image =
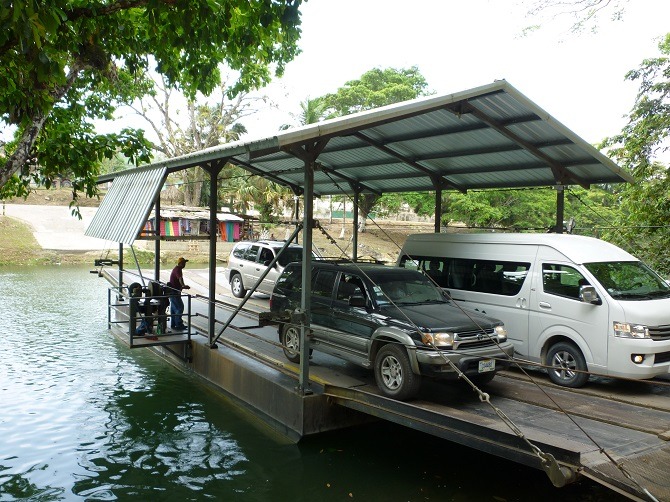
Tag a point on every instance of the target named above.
point(66, 63)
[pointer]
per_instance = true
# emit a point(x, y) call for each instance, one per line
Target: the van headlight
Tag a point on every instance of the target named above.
point(501, 333)
point(628, 330)
point(438, 339)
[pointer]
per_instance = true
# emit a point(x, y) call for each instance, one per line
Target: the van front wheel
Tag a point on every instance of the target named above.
point(393, 373)
point(568, 366)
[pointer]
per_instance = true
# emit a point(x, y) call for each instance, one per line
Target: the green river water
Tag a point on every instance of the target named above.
point(82, 417)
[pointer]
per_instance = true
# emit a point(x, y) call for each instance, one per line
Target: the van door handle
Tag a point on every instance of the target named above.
point(545, 305)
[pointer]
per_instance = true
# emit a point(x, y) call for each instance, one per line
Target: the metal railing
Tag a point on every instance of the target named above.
point(145, 318)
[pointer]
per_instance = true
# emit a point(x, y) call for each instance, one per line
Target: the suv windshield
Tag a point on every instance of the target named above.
point(404, 288)
point(629, 280)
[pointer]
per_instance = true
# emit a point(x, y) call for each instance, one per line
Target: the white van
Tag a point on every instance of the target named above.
point(567, 301)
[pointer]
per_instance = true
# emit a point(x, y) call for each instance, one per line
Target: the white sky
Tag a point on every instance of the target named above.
point(457, 45)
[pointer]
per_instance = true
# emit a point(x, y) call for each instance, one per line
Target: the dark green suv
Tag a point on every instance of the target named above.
point(393, 320)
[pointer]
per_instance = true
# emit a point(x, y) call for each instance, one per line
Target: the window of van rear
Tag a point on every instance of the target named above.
point(496, 277)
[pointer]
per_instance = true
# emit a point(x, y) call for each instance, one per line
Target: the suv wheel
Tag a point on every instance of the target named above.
point(237, 287)
point(568, 365)
point(290, 339)
point(393, 373)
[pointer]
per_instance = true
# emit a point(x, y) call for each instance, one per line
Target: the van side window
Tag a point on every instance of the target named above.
point(407, 262)
point(487, 276)
point(435, 268)
point(513, 276)
point(562, 280)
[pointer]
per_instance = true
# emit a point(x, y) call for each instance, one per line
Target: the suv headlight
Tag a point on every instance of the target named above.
point(438, 339)
point(500, 332)
point(628, 330)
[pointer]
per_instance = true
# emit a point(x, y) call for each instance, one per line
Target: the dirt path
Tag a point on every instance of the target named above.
point(56, 229)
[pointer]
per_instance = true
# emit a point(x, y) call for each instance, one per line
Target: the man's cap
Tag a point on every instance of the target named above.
point(182, 260)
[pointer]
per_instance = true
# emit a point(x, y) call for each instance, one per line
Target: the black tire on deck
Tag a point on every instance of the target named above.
point(290, 339)
point(393, 373)
point(237, 287)
point(568, 365)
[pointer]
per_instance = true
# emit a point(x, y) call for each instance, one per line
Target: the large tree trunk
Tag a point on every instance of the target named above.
point(365, 204)
point(24, 148)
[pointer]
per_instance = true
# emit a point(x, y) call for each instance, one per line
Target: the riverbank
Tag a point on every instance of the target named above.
point(19, 247)
point(42, 230)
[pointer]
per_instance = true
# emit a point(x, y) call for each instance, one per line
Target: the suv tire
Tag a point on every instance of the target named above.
point(564, 358)
point(393, 373)
point(290, 340)
point(237, 287)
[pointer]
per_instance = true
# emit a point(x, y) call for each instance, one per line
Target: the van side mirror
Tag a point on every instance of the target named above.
point(358, 301)
point(588, 294)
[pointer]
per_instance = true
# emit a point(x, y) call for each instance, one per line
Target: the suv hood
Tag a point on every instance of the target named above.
point(438, 317)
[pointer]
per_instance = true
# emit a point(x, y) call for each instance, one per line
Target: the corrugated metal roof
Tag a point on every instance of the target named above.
point(487, 137)
point(126, 206)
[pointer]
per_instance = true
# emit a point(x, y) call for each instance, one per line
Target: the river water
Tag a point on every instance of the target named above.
point(82, 417)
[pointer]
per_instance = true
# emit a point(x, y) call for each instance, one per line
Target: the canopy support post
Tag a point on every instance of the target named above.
point(560, 208)
point(120, 270)
point(354, 236)
point(214, 169)
point(306, 297)
point(438, 210)
point(157, 242)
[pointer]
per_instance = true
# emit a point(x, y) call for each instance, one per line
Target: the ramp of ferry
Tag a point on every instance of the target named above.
point(615, 433)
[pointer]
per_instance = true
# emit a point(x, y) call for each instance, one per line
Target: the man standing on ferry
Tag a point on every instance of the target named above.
point(176, 284)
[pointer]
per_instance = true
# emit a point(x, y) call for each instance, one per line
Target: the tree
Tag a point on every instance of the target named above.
point(582, 14)
point(205, 123)
point(645, 206)
point(377, 87)
point(66, 63)
point(311, 112)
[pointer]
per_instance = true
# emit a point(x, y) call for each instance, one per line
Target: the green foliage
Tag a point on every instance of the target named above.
point(641, 224)
point(644, 214)
point(66, 63)
point(377, 87)
point(648, 127)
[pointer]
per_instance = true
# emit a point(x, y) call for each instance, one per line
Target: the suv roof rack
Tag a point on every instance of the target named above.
point(349, 260)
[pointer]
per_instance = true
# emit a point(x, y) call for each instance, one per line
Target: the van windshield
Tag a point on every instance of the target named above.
point(629, 280)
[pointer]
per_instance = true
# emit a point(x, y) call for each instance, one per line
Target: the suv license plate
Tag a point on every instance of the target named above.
point(487, 365)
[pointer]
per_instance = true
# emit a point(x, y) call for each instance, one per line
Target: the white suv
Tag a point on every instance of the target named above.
point(248, 260)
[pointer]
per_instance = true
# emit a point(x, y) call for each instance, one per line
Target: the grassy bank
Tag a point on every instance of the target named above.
point(19, 247)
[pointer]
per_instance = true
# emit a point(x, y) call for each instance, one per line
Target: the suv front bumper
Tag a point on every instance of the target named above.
point(433, 363)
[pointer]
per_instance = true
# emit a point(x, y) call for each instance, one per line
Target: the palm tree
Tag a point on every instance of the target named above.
point(312, 111)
